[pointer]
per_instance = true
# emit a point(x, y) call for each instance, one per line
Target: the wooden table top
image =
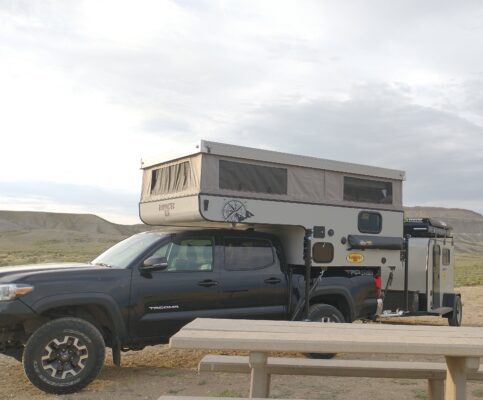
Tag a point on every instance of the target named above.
point(260, 335)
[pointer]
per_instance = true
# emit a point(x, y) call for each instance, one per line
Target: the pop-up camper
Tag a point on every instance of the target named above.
point(352, 215)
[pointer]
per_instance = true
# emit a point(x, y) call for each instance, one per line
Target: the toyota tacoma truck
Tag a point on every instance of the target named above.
point(59, 318)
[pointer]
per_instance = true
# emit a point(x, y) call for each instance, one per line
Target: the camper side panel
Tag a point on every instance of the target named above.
point(336, 224)
point(182, 211)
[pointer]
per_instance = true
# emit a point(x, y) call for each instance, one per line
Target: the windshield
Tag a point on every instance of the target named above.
point(124, 253)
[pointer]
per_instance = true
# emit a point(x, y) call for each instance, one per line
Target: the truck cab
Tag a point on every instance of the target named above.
point(58, 319)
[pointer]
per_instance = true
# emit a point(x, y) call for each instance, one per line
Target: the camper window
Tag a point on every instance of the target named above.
point(367, 191)
point(436, 256)
point(446, 257)
point(323, 252)
point(243, 177)
point(369, 222)
point(246, 254)
point(172, 179)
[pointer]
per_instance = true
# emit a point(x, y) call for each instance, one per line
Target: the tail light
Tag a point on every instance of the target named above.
point(378, 284)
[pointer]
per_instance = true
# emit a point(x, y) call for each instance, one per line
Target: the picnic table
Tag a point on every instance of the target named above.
point(462, 347)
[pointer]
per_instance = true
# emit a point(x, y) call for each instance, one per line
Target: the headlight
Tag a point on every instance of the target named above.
point(12, 291)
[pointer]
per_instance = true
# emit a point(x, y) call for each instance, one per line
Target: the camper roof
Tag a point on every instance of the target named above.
point(249, 153)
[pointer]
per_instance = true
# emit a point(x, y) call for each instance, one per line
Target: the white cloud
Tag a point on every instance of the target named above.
point(90, 87)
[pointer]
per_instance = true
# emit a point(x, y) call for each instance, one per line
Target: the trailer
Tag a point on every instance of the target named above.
point(328, 214)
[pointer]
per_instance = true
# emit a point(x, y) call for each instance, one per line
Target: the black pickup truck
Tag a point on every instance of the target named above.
point(58, 319)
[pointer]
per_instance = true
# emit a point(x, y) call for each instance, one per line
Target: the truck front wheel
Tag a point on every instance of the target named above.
point(324, 313)
point(64, 355)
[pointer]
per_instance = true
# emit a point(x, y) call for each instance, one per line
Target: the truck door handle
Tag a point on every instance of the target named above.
point(272, 281)
point(208, 283)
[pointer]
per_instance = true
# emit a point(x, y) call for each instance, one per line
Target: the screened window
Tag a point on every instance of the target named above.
point(446, 257)
point(367, 191)
point(252, 178)
point(193, 254)
point(369, 222)
point(323, 252)
point(248, 254)
point(172, 179)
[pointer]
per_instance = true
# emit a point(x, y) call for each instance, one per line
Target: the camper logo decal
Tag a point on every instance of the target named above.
point(235, 211)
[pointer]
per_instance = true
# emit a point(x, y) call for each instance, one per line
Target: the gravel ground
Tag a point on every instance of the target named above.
point(158, 370)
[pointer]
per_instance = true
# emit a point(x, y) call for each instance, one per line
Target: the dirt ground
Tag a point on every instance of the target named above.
point(158, 370)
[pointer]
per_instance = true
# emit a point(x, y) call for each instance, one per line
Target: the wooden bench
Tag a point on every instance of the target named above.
point(435, 373)
point(461, 347)
point(208, 398)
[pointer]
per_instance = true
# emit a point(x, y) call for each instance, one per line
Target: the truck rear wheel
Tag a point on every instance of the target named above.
point(324, 313)
point(64, 355)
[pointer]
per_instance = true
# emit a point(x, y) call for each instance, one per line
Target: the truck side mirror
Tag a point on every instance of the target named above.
point(154, 264)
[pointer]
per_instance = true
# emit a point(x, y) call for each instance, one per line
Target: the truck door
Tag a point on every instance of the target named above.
point(252, 282)
point(164, 301)
point(436, 276)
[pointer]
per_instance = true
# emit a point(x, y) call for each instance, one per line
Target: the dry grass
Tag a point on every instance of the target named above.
point(469, 270)
point(17, 248)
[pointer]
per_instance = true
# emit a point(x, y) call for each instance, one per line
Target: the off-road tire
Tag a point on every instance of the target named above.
point(324, 313)
point(56, 337)
point(456, 316)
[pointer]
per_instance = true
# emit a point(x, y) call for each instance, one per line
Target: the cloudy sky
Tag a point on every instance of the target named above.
point(88, 88)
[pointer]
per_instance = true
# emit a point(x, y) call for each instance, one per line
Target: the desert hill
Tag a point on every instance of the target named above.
point(82, 223)
point(31, 237)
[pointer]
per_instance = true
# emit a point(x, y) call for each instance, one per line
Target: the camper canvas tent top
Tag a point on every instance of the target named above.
point(221, 185)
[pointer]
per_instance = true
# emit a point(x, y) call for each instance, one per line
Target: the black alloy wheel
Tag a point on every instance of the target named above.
point(64, 355)
point(324, 313)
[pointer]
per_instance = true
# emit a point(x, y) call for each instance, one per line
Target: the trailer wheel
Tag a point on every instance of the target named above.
point(456, 316)
point(324, 313)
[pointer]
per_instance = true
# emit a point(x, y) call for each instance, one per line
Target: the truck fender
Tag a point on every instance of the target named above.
point(100, 299)
point(335, 291)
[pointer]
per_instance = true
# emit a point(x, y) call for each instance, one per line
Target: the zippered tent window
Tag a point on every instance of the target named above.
point(367, 191)
point(244, 177)
point(172, 179)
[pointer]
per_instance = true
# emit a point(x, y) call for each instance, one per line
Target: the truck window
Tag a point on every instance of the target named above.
point(248, 254)
point(194, 254)
point(367, 191)
point(369, 222)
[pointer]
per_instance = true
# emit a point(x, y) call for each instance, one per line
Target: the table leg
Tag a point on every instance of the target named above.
point(436, 389)
point(260, 379)
point(457, 367)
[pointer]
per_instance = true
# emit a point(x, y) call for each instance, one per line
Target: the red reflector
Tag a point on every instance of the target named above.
point(378, 282)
